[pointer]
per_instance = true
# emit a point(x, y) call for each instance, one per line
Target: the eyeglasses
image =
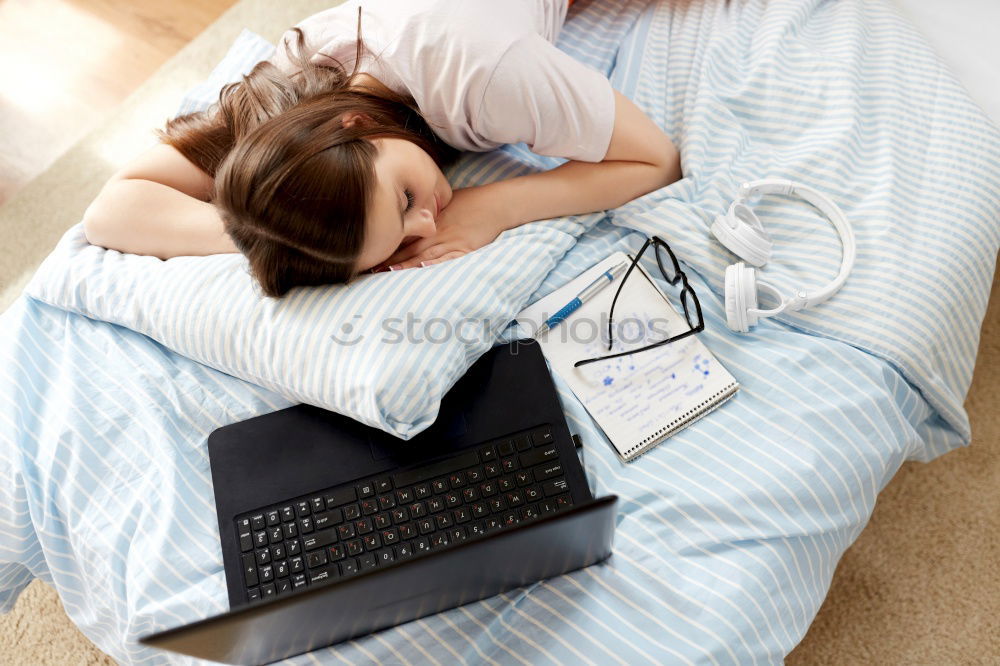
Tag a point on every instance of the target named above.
point(688, 299)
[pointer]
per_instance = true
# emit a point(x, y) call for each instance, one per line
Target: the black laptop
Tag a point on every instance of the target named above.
point(331, 529)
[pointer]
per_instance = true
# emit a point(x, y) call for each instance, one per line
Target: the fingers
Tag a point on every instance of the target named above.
point(408, 252)
point(454, 254)
point(433, 252)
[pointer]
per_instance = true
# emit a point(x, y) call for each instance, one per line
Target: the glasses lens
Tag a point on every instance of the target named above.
point(690, 307)
point(666, 263)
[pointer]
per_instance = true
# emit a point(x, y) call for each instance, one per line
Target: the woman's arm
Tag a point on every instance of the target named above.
point(640, 159)
point(157, 205)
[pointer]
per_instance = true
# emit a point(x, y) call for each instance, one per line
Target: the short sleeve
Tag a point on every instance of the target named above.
point(543, 97)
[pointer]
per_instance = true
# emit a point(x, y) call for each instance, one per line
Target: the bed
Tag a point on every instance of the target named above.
point(729, 533)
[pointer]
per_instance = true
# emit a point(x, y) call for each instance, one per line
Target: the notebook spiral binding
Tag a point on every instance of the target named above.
point(685, 419)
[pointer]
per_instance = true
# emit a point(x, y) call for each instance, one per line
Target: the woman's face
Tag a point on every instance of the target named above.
point(410, 191)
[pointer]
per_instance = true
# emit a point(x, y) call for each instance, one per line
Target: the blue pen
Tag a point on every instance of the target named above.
point(603, 280)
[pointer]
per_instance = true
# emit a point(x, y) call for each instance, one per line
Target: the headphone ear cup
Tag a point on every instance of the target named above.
point(742, 233)
point(741, 297)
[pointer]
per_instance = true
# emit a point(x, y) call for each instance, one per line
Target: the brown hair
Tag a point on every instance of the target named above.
point(292, 184)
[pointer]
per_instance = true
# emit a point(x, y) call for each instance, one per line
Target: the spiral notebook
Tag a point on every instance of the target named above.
point(641, 399)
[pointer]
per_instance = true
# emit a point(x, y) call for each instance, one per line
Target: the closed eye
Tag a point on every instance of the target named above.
point(409, 200)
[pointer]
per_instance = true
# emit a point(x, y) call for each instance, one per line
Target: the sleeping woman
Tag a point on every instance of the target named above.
point(317, 175)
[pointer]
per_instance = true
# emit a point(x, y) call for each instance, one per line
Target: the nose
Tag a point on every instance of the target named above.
point(422, 223)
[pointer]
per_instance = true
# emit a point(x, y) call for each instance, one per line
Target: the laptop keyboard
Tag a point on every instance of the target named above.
point(341, 531)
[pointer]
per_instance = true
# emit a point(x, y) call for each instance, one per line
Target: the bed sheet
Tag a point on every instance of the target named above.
point(727, 536)
point(729, 533)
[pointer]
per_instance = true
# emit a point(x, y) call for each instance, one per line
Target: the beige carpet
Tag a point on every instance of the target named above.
point(920, 586)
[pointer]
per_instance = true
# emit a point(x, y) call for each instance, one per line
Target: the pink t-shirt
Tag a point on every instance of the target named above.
point(483, 73)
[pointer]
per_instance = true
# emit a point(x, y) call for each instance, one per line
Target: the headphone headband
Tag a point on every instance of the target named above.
point(826, 206)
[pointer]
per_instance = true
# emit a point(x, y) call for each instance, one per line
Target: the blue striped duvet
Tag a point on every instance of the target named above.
point(728, 533)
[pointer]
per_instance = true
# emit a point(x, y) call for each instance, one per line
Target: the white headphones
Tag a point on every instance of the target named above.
point(743, 234)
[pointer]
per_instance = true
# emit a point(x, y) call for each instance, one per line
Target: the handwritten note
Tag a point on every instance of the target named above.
point(636, 396)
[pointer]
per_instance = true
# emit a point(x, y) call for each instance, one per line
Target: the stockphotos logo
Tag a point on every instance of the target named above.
point(628, 331)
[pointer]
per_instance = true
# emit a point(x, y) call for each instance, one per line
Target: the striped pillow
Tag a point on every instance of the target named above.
point(382, 351)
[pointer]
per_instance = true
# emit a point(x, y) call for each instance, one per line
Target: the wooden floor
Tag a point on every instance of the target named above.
point(64, 64)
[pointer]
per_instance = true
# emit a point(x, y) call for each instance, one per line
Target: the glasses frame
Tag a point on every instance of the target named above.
point(679, 275)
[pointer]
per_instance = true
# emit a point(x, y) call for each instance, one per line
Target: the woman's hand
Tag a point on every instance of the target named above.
point(474, 218)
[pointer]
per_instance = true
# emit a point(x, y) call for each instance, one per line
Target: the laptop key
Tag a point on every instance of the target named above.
point(250, 569)
point(319, 539)
point(323, 519)
point(299, 580)
point(253, 594)
point(542, 436)
point(539, 456)
point(281, 569)
point(267, 591)
point(315, 558)
point(554, 487)
point(273, 518)
point(323, 574)
point(341, 496)
point(367, 561)
point(349, 567)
